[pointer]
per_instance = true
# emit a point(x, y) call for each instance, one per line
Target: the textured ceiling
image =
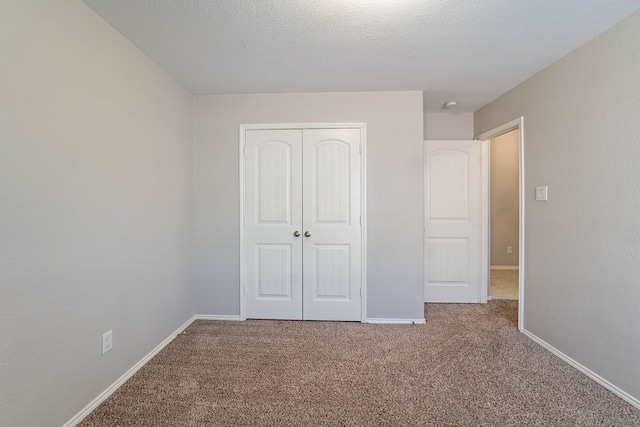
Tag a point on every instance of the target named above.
point(471, 51)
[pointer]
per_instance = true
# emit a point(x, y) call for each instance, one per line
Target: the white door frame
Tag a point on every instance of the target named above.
point(516, 124)
point(363, 198)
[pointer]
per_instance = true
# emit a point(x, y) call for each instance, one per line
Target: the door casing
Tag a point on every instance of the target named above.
point(363, 199)
point(485, 138)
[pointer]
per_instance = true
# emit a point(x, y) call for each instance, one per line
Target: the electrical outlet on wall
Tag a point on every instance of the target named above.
point(107, 341)
point(509, 249)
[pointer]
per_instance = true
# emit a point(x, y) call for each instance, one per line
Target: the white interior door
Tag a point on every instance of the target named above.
point(273, 209)
point(453, 221)
point(331, 218)
point(303, 253)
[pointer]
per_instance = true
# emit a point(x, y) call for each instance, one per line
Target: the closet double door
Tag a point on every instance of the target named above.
point(303, 230)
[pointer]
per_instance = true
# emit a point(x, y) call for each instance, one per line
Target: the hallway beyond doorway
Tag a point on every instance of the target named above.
point(504, 284)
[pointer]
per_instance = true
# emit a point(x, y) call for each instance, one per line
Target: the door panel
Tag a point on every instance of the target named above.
point(331, 209)
point(332, 196)
point(333, 268)
point(448, 260)
point(274, 271)
point(273, 205)
point(453, 198)
point(448, 191)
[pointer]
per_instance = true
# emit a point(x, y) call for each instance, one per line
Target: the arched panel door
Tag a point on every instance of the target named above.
point(453, 221)
point(273, 208)
point(331, 212)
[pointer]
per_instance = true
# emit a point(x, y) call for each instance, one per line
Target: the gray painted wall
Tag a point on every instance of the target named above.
point(448, 125)
point(395, 169)
point(96, 182)
point(504, 199)
point(582, 139)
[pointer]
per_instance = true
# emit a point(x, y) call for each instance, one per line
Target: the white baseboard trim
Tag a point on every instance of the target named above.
point(389, 321)
point(597, 378)
point(504, 267)
point(113, 387)
point(232, 317)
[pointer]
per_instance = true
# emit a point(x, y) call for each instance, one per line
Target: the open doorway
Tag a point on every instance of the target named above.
point(498, 251)
point(504, 216)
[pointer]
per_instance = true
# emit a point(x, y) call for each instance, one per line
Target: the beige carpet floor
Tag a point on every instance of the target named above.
point(469, 366)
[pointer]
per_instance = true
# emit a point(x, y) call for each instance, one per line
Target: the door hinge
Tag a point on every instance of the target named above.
point(360, 291)
point(245, 150)
point(360, 220)
point(244, 220)
point(360, 149)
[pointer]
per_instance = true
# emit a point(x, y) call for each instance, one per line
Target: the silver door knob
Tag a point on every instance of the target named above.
point(296, 233)
point(307, 234)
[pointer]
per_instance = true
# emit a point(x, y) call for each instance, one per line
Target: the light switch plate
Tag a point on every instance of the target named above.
point(107, 341)
point(542, 193)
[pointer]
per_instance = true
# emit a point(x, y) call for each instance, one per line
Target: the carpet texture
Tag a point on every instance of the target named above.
point(468, 366)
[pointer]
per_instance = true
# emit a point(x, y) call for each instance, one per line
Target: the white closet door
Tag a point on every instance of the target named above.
point(331, 222)
point(453, 221)
point(273, 208)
